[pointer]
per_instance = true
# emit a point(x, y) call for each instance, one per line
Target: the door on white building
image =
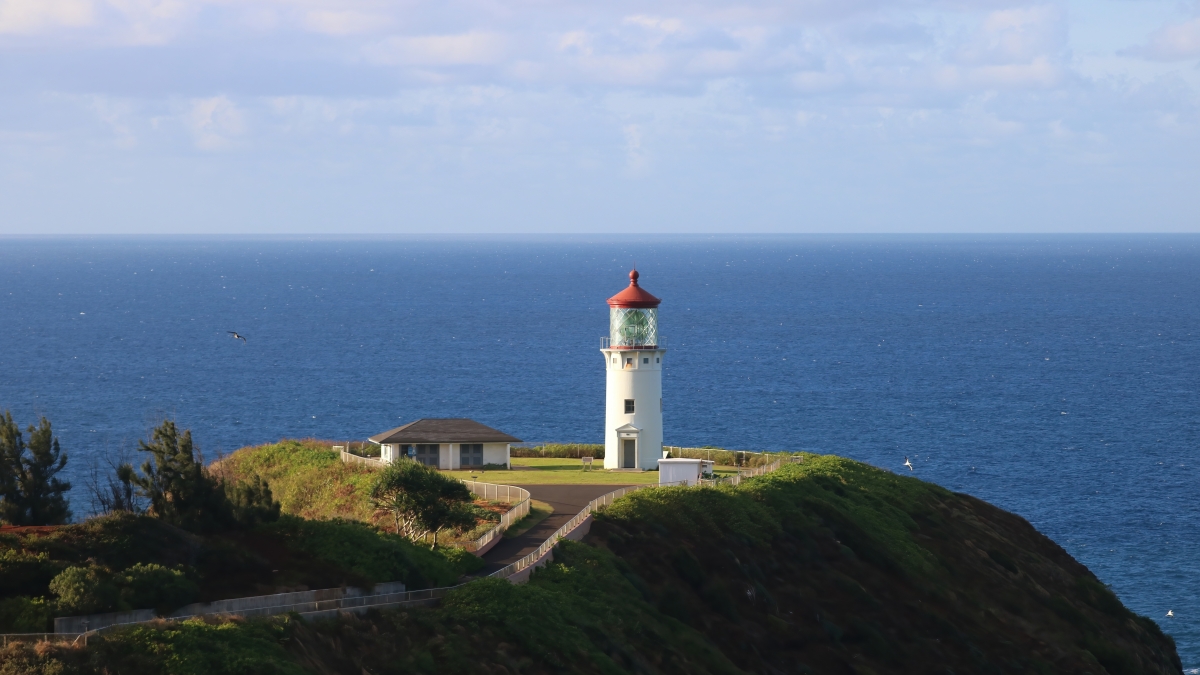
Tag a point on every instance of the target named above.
point(628, 453)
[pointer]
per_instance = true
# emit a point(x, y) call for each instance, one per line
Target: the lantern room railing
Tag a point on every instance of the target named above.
point(606, 343)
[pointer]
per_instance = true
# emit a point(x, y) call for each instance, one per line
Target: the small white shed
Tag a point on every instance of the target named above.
point(682, 471)
point(446, 444)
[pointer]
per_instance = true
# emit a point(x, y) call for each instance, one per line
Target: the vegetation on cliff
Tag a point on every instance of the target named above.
point(822, 567)
point(128, 561)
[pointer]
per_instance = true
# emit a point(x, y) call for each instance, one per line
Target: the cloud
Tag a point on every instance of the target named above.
point(27, 17)
point(1173, 42)
point(345, 22)
point(213, 122)
point(473, 48)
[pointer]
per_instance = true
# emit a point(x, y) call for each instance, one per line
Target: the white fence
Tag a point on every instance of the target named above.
point(499, 493)
point(256, 605)
point(534, 557)
point(349, 458)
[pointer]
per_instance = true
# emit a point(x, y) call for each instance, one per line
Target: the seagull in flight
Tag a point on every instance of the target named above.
point(1170, 613)
point(908, 463)
point(235, 335)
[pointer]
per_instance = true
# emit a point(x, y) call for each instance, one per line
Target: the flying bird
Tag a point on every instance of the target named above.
point(908, 463)
point(1170, 613)
point(235, 335)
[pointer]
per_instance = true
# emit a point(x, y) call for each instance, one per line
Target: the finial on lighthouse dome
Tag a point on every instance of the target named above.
point(634, 296)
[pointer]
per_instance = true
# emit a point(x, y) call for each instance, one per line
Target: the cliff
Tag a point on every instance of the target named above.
point(829, 566)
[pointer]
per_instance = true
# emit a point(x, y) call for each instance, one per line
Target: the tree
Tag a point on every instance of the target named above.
point(31, 492)
point(252, 502)
point(178, 489)
point(181, 492)
point(115, 492)
point(421, 499)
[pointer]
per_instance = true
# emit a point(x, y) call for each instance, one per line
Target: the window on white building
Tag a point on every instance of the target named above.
point(427, 454)
point(470, 454)
point(628, 406)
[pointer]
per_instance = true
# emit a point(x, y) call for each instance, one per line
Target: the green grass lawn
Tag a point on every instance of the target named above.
point(549, 470)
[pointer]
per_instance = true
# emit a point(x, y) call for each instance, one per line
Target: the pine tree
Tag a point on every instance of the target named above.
point(180, 492)
point(29, 485)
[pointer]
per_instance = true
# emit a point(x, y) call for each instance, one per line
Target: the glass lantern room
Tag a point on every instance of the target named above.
point(633, 327)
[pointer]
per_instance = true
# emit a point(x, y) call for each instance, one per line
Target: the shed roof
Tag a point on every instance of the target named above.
point(452, 430)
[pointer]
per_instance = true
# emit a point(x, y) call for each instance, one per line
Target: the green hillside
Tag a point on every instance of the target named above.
point(829, 566)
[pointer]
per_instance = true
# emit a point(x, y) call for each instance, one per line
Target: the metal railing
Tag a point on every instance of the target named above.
point(499, 493)
point(606, 343)
point(552, 541)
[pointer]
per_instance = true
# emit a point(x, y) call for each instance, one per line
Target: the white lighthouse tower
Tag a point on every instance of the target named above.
point(633, 430)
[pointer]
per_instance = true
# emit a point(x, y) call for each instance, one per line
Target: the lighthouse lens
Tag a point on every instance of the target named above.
point(630, 327)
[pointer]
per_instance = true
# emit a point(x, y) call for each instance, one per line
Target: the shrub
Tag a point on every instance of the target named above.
point(26, 572)
point(24, 615)
point(84, 590)
point(372, 555)
point(147, 586)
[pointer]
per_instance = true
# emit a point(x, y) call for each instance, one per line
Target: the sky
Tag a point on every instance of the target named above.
point(551, 116)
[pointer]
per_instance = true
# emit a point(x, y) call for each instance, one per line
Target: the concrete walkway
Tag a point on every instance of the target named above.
point(567, 500)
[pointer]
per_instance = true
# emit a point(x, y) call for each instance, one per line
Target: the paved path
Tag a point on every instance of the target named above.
point(567, 500)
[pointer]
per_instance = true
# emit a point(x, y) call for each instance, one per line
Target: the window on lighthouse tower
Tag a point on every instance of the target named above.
point(628, 406)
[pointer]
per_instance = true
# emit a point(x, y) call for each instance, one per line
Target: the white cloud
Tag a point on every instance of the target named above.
point(345, 22)
point(667, 26)
point(473, 48)
point(635, 154)
point(24, 17)
point(1174, 42)
point(213, 122)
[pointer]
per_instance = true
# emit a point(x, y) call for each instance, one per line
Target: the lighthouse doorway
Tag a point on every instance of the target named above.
point(628, 453)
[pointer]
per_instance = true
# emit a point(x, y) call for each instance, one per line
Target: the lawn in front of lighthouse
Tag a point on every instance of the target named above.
point(562, 471)
point(556, 471)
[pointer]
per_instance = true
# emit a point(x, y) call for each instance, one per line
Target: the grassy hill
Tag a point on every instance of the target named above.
point(829, 566)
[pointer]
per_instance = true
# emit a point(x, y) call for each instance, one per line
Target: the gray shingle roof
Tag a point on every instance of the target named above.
point(454, 430)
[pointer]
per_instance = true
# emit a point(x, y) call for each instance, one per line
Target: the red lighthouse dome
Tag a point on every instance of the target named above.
point(634, 296)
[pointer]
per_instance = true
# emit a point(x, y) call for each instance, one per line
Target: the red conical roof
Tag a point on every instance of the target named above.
point(634, 296)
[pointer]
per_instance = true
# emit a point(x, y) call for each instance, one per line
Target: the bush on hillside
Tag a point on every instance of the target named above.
point(372, 555)
point(146, 586)
point(24, 615)
point(307, 477)
point(85, 590)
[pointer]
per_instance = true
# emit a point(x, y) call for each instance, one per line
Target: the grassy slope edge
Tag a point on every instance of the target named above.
point(828, 566)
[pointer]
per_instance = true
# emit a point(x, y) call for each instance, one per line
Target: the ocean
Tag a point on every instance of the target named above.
point(1054, 376)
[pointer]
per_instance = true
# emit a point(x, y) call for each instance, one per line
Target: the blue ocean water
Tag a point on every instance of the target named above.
point(1053, 376)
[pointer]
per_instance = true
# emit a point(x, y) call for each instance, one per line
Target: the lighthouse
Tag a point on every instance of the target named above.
point(633, 430)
